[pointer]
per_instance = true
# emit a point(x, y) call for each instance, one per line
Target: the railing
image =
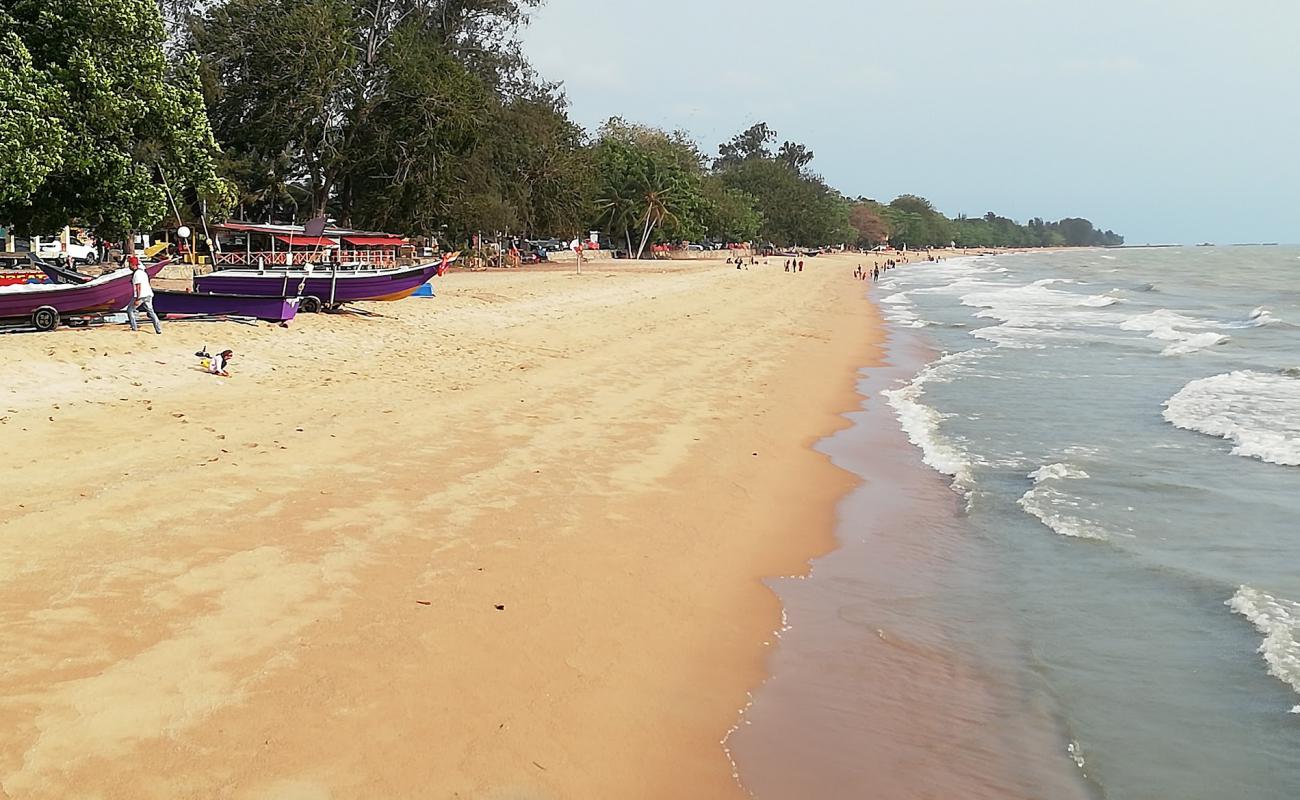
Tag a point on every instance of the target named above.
point(386, 258)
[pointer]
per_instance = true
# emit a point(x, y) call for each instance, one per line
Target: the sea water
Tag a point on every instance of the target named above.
point(1122, 430)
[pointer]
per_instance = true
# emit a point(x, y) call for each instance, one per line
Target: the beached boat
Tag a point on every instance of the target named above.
point(46, 304)
point(58, 274)
point(320, 286)
point(209, 304)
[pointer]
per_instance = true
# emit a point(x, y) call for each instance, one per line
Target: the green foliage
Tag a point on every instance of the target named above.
point(117, 116)
point(533, 165)
point(914, 222)
point(730, 215)
point(649, 185)
point(408, 115)
point(751, 143)
point(31, 143)
point(796, 208)
point(395, 170)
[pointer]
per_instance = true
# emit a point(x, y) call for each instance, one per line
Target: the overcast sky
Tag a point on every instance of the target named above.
point(1166, 120)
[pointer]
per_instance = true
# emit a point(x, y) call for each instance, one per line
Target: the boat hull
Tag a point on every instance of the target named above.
point(345, 287)
point(109, 292)
point(266, 307)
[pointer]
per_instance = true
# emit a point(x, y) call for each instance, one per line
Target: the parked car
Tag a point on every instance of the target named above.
point(80, 252)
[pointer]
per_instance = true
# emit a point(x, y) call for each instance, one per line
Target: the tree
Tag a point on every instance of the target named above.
point(796, 209)
point(870, 225)
point(751, 143)
point(650, 181)
point(31, 141)
point(795, 155)
point(128, 117)
point(379, 109)
point(731, 215)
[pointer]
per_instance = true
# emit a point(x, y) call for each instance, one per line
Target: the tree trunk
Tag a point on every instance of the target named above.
point(645, 236)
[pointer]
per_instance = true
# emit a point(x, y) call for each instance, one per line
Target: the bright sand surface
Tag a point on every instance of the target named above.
point(286, 584)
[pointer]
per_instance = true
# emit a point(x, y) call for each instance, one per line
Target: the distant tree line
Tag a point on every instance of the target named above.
point(416, 116)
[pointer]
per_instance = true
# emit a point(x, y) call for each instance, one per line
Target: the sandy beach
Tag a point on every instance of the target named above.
point(508, 542)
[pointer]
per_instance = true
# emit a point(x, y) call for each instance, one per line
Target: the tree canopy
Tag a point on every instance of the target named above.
point(96, 117)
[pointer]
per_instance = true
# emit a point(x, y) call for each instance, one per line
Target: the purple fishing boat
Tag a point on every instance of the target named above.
point(46, 304)
point(321, 286)
point(207, 304)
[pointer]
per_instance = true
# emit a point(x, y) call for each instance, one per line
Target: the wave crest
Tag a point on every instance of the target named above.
point(1279, 620)
point(1259, 413)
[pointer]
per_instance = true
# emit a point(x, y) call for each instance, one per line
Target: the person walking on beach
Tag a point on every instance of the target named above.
point(801, 265)
point(141, 295)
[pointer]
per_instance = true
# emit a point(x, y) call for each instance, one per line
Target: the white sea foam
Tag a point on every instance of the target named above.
point(1057, 508)
point(1259, 413)
point(922, 423)
point(901, 310)
point(1035, 313)
point(1257, 318)
point(1170, 326)
point(1279, 620)
point(1057, 472)
point(1099, 301)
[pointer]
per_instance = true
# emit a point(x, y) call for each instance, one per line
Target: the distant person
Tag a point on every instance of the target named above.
point(801, 265)
point(141, 296)
point(787, 265)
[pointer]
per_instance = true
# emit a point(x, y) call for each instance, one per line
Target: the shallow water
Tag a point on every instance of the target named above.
point(1124, 428)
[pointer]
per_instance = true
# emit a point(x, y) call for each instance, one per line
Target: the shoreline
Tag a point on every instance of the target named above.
point(324, 537)
point(866, 678)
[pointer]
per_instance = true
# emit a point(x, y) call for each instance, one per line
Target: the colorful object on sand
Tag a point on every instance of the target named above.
point(322, 286)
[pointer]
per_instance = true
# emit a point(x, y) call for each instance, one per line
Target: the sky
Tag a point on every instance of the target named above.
point(1171, 121)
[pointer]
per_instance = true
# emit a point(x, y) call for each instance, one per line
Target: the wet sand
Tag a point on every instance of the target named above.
point(875, 688)
point(503, 543)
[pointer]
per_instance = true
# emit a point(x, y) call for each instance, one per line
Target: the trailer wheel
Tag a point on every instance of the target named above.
point(309, 305)
point(45, 319)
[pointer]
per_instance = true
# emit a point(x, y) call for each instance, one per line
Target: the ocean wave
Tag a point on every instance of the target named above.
point(1034, 313)
point(1165, 325)
point(1279, 620)
point(1056, 508)
point(922, 423)
point(1057, 472)
point(1195, 342)
point(1257, 318)
point(1099, 301)
point(1259, 413)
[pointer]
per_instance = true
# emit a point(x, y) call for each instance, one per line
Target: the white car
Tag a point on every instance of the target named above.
point(83, 253)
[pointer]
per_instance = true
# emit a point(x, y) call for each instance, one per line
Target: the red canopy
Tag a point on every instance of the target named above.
point(308, 241)
point(374, 241)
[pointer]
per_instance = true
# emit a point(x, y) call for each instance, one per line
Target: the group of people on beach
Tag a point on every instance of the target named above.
point(794, 265)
